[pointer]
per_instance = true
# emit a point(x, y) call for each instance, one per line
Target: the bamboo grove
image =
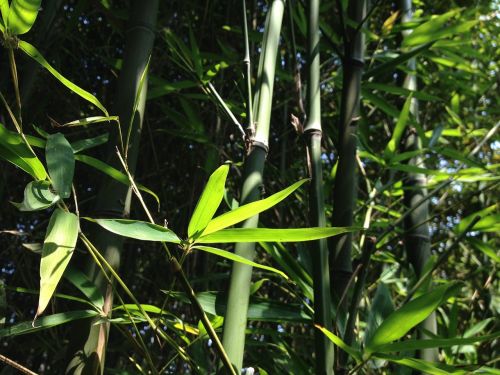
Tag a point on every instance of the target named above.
point(249, 187)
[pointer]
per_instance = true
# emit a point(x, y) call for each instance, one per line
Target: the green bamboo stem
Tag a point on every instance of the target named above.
point(90, 348)
point(319, 249)
point(344, 194)
point(235, 320)
point(417, 237)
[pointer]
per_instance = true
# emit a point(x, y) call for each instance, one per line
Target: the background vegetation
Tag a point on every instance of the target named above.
point(402, 139)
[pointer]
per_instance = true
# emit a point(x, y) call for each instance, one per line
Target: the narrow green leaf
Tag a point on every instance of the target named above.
point(341, 344)
point(485, 248)
point(57, 250)
point(482, 213)
point(22, 15)
point(37, 196)
point(402, 320)
point(400, 91)
point(85, 285)
point(60, 163)
point(408, 345)
point(380, 309)
point(90, 121)
point(85, 144)
point(140, 230)
point(272, 235)
point(209, 201)
point(391, 65)
point(248, 210)
point(399, 129)
point(14, 150)
point(237, 258)
point(32, 52)
point(46, 322)
point(424, 367)
point(113, 173)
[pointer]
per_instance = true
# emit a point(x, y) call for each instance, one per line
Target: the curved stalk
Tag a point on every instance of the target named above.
point(239, 289)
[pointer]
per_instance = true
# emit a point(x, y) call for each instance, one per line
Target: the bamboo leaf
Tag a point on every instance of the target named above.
point(85, 144)
point(391, 65)
point(408, 345)
point(272, 235)
point(22, 15)
point(380, 309)
point(248, 210)
point(209, 201)
point(237, 258)
point(37, 196)
point(341, 344)
point(15, 151)
point(57, 250)
point(140, 230)
point(4, 10)
point(85, 285)
point(402, 320)
point(90, 121)
point(46, 322)
point(396, 90)
point(113, 173)
point(32, 52)
point(424, 367)
point(485, 248)
point(399, 129)
point(60, 163)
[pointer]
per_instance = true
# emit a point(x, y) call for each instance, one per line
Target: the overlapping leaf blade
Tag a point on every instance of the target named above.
point(22, 15)
point(60, 163)
point(15, 151)
point(412, 313)
point(57, 250)
point(37, 196)
point(248, 210)
point(209, 201)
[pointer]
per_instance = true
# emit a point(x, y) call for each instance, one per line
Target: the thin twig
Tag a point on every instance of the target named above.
point(16, 365)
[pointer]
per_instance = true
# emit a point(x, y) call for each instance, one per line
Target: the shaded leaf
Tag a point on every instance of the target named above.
point(60, 163)
point(140, 230)
point(46, 322)
point(57, 250)
point(81, 281)
point(238, 258)
point(424, 366)
point(32, 52)
point(341, 344)
point(415, 311)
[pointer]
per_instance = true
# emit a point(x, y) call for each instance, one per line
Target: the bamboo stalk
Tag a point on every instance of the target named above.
point(344, 194)
point(417, 239)
point(319, 249)
point(239, 289)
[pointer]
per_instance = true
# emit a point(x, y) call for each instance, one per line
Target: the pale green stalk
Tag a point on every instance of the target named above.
point(235, 321)
point(319, 249)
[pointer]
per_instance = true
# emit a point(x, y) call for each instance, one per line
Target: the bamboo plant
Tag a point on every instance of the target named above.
point(319, 249)
point(113, 197)
point(235, 320)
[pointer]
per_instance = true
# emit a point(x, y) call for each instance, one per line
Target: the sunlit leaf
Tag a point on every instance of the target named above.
point(424, 367)
point(237, 258)
point(209, 201)
point(272, 235)
point(341, 344)
point(399, 129)
point(57, 250)
point(60, 163)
